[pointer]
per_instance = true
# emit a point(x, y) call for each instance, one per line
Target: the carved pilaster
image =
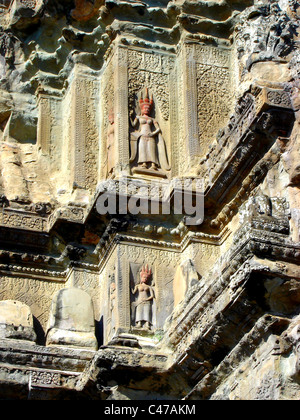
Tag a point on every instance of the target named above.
point(84, 135)
point(121, 110)
point(123, 290)
point(190, 103)
point(44, 124)
point(78, 130)
point(49, 126)
point(174, 123)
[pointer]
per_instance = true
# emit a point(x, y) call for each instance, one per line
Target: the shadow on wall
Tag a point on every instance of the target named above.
point(99, 328)
point(40, 333)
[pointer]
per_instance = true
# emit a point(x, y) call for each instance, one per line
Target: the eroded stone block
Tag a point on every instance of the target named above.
point(71, 320)
point(16, 321)
point(186, 276)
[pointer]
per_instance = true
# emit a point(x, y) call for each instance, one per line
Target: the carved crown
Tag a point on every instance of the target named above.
point(146, 100)
point(146, 272)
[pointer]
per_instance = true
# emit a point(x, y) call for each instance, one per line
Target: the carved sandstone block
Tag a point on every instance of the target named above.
point(186, 276)
point(16, 321)
point(71, 320)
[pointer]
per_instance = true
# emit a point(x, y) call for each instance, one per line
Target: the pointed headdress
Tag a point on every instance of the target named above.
point(146, 271)
point(146, 99)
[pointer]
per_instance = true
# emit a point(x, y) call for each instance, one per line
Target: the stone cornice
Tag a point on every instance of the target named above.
point(237, 264)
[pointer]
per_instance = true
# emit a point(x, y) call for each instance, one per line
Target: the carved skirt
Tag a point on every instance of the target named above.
point(148, 150)
point(144, 312)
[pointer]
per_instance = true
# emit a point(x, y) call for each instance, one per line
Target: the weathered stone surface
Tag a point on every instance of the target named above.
point(71, 320)
point(186, 277)
point(16, 321)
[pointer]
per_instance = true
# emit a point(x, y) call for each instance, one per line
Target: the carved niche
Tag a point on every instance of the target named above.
point(127, 73)
point(148, 148)
point(143, 296)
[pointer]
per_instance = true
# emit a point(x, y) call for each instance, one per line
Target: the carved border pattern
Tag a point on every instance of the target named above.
point(79, 132)
point(44, 379)
point(174, 123)
point(123, 289)
point(84, 133)
point(121, 107)
point(190, 107)
point(21, 220)
point(44, 124)
point(108, 103)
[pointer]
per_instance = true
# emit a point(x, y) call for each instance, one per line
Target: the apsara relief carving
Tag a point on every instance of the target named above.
point(147, 142)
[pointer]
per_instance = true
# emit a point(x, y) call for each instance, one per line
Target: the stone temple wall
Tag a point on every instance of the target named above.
point(149, 199)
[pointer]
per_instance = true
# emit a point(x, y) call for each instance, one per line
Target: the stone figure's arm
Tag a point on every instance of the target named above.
point(134, 122)
point(151, 297)
point(157, 131)
point(133, 291)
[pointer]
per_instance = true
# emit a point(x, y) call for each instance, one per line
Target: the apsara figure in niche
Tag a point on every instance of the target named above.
point(144, 302)
point(147, 144)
